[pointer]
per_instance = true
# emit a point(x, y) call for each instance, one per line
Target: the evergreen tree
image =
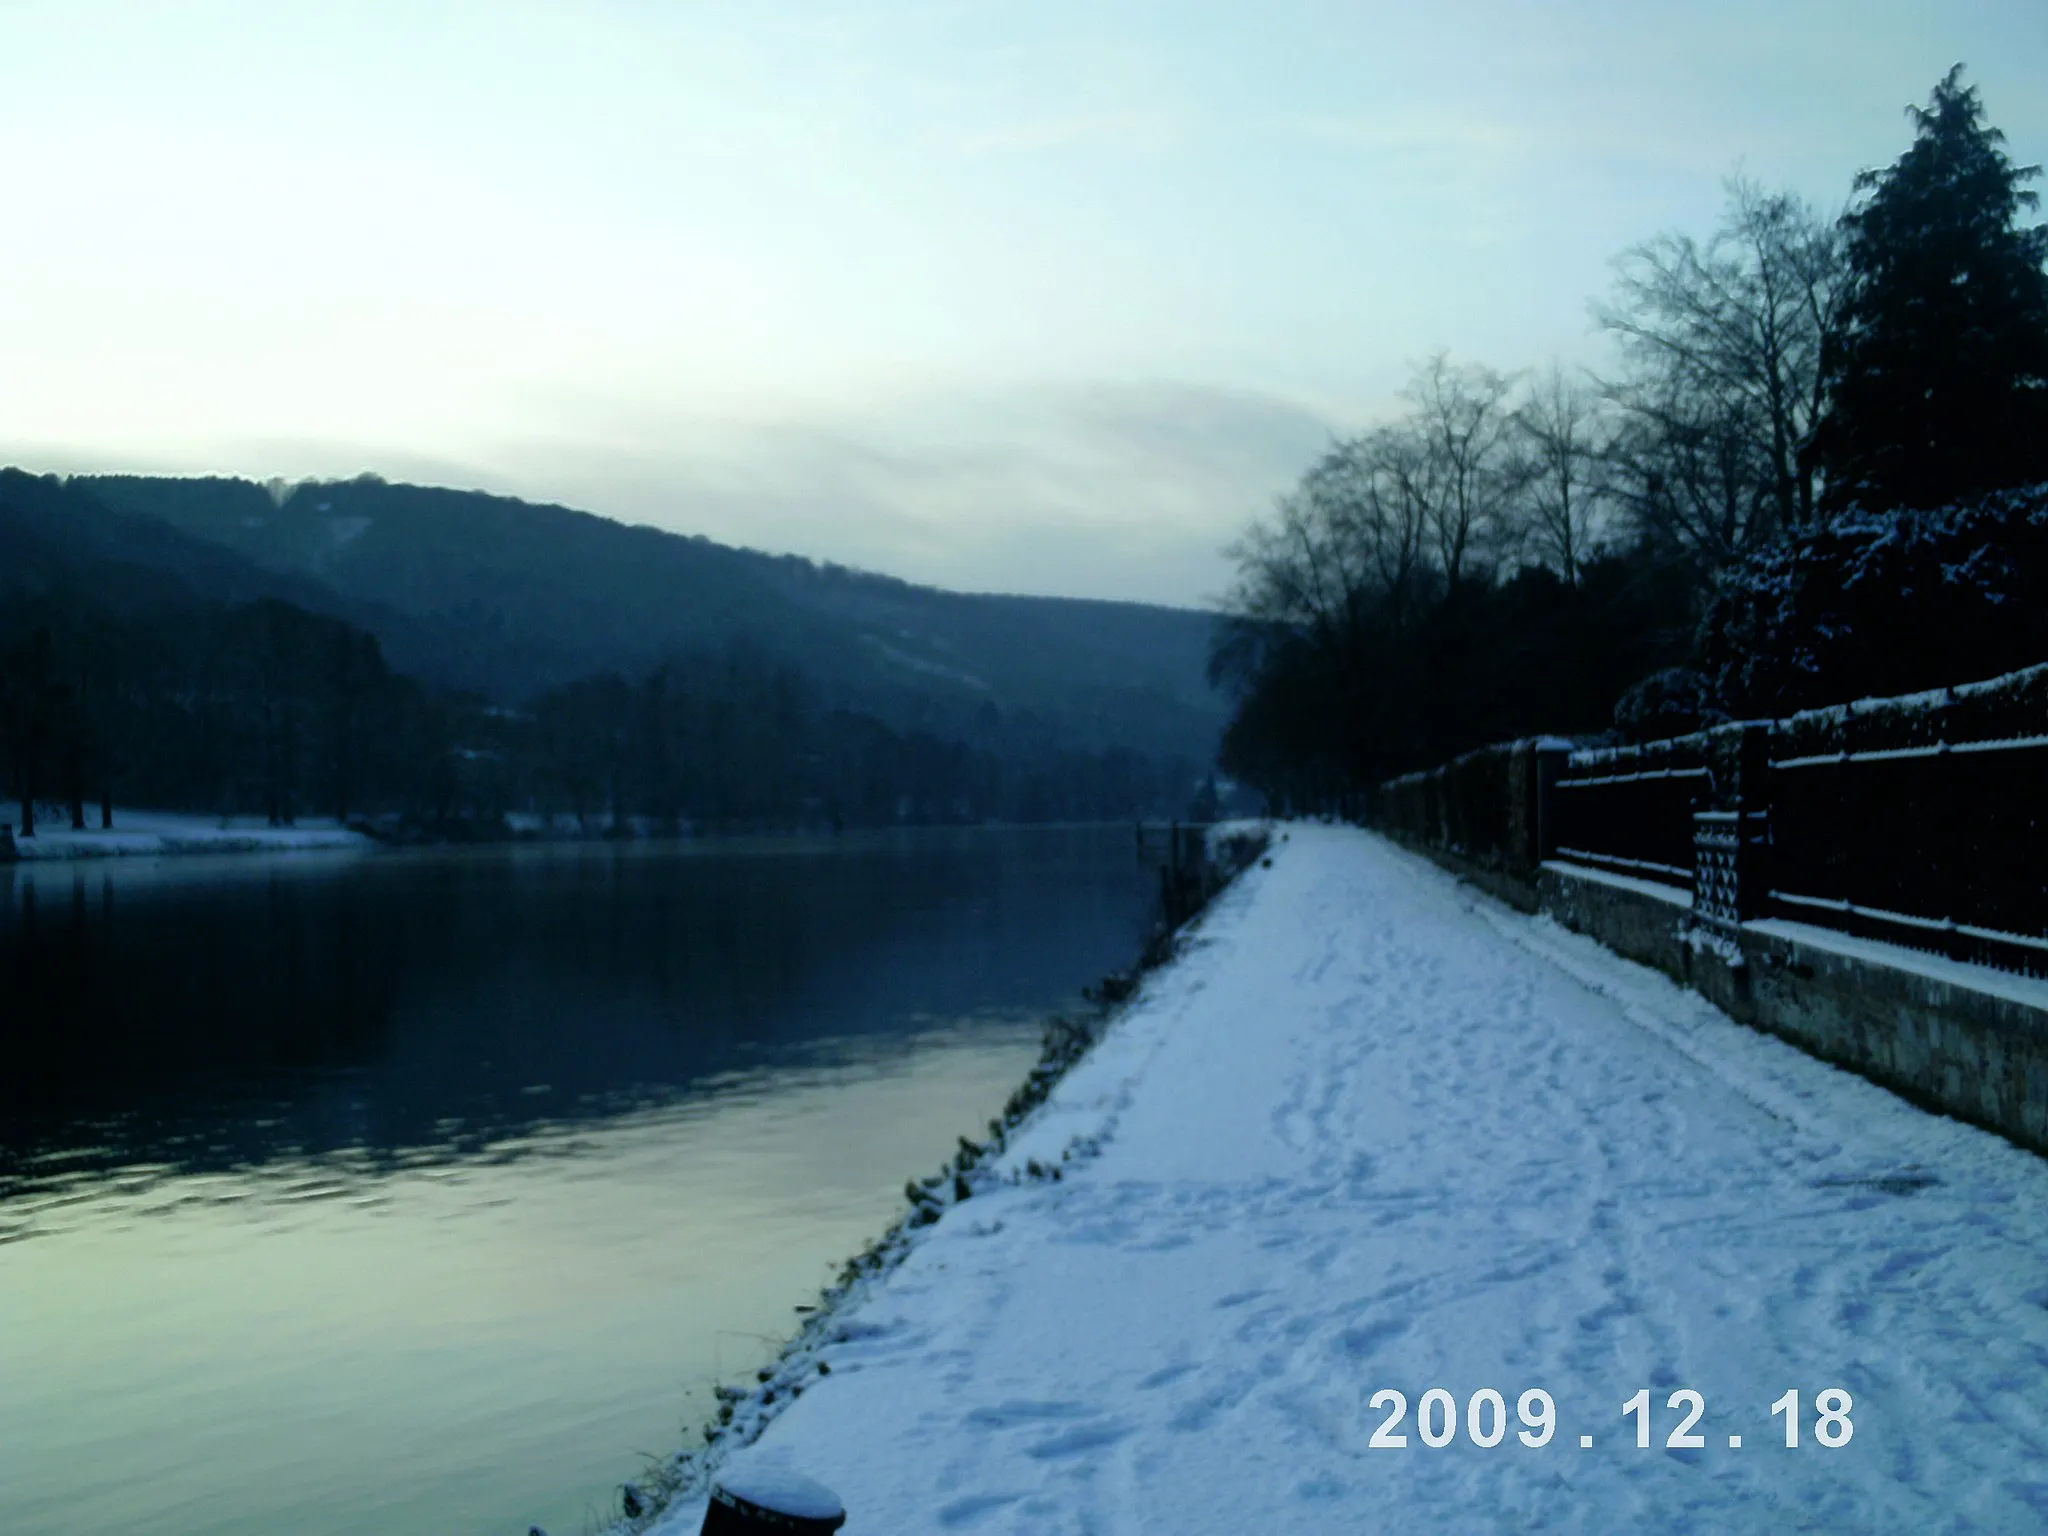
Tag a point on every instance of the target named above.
point(1937, 381)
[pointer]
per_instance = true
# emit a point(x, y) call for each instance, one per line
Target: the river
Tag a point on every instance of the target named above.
point(423, 1192)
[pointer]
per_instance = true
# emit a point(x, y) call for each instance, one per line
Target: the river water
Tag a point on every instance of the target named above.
point(421, 1193)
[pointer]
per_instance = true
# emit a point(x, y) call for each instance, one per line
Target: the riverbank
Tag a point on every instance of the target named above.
point(1370, 1130)
point(157, 833)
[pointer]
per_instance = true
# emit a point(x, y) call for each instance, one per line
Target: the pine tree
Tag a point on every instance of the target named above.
point(1937, 380)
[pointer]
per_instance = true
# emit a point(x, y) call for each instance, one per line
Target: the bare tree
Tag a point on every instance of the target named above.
point(1461, 417)
point(1563, 430)
point(1298, 568)
point(1302, 572)
point(1686, 471)
point(1720, 346)
point(1378, 489)
point(1344, 557)
point(1388, 520)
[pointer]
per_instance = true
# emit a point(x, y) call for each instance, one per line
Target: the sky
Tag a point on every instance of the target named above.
point(1045, 297)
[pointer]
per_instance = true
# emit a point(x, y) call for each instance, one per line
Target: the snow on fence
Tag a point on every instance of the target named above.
point(1487, 809)
point(1919, 820)
point(1629, 810)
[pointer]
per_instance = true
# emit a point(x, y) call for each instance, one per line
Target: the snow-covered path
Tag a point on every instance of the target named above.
point(1375, 1131)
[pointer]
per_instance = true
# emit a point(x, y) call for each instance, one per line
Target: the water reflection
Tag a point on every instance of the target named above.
point(208, 1018)
point(473, 1167)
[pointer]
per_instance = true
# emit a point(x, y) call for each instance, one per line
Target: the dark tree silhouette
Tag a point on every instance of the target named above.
point(1879, 603)
point(1564, 437)
point(28, 705)
point(1937, 380)
point(1718, 394)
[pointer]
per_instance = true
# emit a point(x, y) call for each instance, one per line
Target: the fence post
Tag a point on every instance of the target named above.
point(1716, 838)
point(1548, 768)
point(1753, 821)
point(1732, 829)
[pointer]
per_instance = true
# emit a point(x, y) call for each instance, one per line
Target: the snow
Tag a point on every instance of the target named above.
point(1498, 749)
point(1671, 895)
point(2029, 991)
point(1926, 701)
point(768, 1485)
point(344, 531)
point(163, 832)
point(1692, 744)
point(1373, 1130)
point(919, 664)
point(1235, 840)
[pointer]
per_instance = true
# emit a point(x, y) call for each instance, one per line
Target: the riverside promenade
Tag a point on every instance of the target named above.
point(1374, 1131)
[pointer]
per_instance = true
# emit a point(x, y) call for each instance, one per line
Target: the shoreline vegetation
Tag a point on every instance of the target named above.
point(745, 1411)
point(158, 834)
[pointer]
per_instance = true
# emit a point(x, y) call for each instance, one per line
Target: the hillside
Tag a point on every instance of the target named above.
point(507, 597)
point(57, 536)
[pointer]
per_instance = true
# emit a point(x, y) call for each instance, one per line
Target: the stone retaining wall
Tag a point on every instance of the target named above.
point(1961, 1039)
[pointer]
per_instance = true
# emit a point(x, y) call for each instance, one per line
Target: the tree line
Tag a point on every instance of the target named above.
point(263, 708)
point(735, 738)
point(1602, 549)
point(257, 708)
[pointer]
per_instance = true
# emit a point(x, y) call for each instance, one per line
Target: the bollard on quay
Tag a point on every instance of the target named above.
point(761, 1500)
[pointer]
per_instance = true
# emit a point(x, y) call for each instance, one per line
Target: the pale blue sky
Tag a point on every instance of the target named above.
point(1044, 296)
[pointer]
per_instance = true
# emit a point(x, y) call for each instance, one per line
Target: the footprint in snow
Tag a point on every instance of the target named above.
point(971, 1510)
point(1239, 1298)
point(1906, 1181)
point(1366, 1339)
point(1079, 1441)
point(1025, 1411)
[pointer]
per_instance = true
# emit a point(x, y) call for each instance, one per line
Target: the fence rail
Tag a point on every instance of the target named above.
point(1920, 821)
point(1627, 809)
point(1942, 847)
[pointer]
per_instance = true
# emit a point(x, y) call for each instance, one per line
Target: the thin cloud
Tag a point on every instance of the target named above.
point(1100, 491)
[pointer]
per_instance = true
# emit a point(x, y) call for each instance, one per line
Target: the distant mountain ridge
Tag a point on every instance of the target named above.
point(507, 598)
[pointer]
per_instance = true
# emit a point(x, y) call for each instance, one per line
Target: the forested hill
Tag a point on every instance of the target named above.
point(56, 537)
point(509, 598)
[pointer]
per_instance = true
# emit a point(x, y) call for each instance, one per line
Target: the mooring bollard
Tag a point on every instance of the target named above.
point(768, 1499)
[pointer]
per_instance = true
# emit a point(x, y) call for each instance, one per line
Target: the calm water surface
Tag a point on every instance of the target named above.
point(418, 1193)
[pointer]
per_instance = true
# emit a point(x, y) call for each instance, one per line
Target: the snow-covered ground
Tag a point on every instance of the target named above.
point(1374, 1131)
point(163, 832)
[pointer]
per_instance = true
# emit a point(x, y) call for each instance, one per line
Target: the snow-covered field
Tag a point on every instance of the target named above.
point(1376, 1132)
point(163, 832)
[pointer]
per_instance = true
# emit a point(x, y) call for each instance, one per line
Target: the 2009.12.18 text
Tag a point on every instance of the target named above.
point(1485, 1419)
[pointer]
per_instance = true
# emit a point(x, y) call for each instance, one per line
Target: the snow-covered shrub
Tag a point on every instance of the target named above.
point(2001, 708)
point(1878, 604)
point(1674, 702)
